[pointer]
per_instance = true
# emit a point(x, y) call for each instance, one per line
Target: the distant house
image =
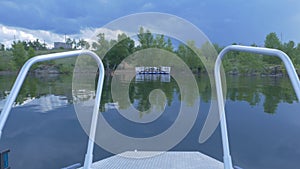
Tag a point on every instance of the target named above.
point(59, 45)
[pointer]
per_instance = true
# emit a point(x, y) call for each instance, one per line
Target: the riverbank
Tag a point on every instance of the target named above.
point(55, 69)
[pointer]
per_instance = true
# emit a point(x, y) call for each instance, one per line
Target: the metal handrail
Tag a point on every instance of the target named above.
point(22, 75)
point(257, 50)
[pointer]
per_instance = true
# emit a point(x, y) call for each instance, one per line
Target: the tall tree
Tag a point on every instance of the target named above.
point(145, 38)
point(188, 54)
point(160, 41)
point(30, 53)
point(120, 49)
point(83, 44)
point(297, 53)
point(37, 45)
point(169, 46)
point(102, 45)
point(19, 53)
point(272, 41)
point(290, 50)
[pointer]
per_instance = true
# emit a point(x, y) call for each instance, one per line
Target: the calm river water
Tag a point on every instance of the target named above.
point(263, 117)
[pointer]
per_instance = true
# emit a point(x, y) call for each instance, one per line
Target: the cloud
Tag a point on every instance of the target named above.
point(57, 16)
point(213, 17)
point(8, 34)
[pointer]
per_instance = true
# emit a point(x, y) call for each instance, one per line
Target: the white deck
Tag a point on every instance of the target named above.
point(171, 160)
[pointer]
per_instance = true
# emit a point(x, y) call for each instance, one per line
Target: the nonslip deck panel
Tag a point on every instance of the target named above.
point(165, 160)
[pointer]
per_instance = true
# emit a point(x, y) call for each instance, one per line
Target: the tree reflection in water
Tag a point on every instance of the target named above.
point(268, 91)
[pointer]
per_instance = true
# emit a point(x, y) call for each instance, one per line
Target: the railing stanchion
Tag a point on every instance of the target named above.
point(22, 75)
point(220, 98)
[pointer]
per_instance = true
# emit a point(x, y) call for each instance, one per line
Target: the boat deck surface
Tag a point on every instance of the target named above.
point(164, 160)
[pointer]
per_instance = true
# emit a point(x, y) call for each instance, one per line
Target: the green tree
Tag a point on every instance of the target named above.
point(188, 54)
point(25, 44)
point(102, 45)
point(160, 41)
point(37, 45)
point(169, 46)
point(290, 50)
point(30, 53)
point(297, 54)
point(120, 49)
point(19, 53)
point(272, 41)
point(145, 38)
point(83, 44)
point(249, 63)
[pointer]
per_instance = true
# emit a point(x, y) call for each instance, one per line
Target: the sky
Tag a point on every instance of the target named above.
point(224, 22)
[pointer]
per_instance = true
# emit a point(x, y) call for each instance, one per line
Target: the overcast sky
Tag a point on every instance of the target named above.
point(224, 21)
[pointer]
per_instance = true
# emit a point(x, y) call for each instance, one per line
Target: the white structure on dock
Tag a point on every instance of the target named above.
point(153, 70)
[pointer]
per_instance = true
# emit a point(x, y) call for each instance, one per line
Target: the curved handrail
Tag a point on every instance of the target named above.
point(22, 75)
point(258, 50)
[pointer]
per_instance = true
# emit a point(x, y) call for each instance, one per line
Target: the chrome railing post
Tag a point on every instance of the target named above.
point(89, 154)
point(220, 98)
point(226, 151)
point(22, 75)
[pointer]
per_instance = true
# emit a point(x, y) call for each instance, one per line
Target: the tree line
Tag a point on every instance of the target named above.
point(253, 64)
point(114, 51)
point(234, 62)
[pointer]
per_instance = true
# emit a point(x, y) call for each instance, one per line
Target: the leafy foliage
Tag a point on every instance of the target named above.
point(114, 51)
point(188, 54)
point(245, 63)
point(19, 53)
point(122, 48)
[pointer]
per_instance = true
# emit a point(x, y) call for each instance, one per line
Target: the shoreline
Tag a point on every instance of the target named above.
point(47, 73)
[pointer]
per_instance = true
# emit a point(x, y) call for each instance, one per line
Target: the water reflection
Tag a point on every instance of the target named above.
point(56, 90)
point(111, 106)
point(153, 77)
point(257, 139)
point(42, 104)
point(44, 94)
point(254, 90)
point(269, 90)
point(48, 102)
